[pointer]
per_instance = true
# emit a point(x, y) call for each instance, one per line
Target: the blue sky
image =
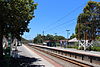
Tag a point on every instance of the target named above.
point(55, 16)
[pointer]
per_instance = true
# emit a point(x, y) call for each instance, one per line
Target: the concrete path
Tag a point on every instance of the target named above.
point(38, 60)
point(95, 53)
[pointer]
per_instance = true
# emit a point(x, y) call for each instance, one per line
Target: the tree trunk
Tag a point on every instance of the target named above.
point(1, 47)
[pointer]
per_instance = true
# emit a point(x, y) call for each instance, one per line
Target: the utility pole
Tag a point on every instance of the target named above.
point(43, 36)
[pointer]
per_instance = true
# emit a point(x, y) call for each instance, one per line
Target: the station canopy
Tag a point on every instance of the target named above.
point(73, 40)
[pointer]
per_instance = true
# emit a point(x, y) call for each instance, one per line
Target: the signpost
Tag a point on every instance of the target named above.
point(9, 43)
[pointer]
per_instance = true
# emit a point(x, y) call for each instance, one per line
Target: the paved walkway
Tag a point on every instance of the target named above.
point(36, 60)
point(95, 53)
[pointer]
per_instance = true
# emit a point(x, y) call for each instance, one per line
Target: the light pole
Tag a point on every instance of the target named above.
point(67, 36)
point(55, 39)
point(67, 33)
point(55, 34)
point(43, 33)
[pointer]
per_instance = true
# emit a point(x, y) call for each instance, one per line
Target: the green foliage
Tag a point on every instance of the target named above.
point(49, 37)
point(98, 38)
point(39, 38)
point(59, 38)
point(95, 48)
point(76, 47)
point(72, 36)
point(15, 16)
point(23, 40)
point(89, 21)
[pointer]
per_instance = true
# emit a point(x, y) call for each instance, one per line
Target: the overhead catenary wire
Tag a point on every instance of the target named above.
point(54, 28)
point(69, 13)
point(63, 30)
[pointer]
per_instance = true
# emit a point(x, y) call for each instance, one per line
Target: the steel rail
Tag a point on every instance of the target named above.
point(81, 64)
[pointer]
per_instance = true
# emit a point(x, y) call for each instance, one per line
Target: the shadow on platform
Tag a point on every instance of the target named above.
point(25, 62)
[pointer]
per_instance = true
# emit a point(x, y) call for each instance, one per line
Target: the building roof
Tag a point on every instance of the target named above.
point(73, 40)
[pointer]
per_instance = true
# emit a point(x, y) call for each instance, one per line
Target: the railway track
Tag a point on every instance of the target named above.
point(81, 64)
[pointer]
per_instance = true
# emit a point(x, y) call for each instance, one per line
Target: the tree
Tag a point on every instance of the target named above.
point(59, 38)
point(72, 36)
point(49, 37)
point(39, 38)
point(88, 22)
point(14, 18)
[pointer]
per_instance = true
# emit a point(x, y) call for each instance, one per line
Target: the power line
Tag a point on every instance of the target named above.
point(53, 28)
point(64, 16)
point(63, 30)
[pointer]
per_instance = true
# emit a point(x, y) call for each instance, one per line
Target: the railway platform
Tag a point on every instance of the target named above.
point(93, 53)
point(34, 59)
point(88, 57)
